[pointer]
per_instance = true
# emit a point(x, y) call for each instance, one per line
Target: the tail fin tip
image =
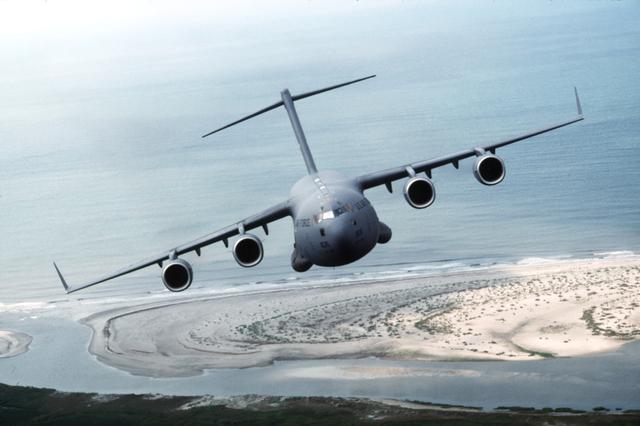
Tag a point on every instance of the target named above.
point(64, 282)
point(578, 105)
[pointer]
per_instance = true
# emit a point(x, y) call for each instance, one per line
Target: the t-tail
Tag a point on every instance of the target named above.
point(287, 100)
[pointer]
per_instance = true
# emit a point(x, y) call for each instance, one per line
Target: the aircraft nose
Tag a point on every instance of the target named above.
point(344, 239)
point(341, 234)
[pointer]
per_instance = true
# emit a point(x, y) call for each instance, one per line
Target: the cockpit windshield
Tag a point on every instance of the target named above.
point(332, 214)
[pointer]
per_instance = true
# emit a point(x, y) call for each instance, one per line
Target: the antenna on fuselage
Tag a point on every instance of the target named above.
point(287, 101)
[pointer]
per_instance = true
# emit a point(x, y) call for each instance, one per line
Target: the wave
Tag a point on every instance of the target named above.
point(140, 293)
point(615, 254)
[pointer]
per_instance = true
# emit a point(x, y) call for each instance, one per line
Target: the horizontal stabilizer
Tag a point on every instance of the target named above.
point(326, 89)
point(263, 110)
point(280, 103)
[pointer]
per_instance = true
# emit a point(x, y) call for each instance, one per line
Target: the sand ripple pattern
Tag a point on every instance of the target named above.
point(518, 313)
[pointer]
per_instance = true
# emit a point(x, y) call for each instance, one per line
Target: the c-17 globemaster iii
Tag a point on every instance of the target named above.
point(333, 222)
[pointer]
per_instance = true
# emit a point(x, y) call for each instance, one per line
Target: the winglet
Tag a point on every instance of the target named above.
point(64, 283)
point(578, 102)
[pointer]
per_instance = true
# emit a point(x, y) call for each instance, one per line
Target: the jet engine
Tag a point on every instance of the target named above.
point(248, 251)
point(177, 275)
point(419, 192)
point(489, 169)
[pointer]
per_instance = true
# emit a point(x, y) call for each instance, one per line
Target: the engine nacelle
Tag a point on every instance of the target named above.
point(177, 275)
point(419, 192)
point(489, 169)
point(248, 251)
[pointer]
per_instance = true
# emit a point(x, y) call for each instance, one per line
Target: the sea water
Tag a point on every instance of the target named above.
point(102, 163)
point(58, 359)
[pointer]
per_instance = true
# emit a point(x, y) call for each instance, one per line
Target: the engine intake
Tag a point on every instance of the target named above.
point(489, 169)
point(248, 251)
point(177, 275)
point(419, 192)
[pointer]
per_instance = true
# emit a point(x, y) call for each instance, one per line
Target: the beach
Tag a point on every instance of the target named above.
point(526, 311)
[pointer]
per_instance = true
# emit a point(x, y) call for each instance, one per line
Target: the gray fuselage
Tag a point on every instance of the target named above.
point(334, 223)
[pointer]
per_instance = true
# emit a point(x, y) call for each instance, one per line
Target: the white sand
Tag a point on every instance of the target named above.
point(13, 343)
point(523, 312)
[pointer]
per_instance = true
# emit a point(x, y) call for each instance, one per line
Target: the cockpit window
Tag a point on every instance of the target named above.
point(332, 214)
point(326, 216)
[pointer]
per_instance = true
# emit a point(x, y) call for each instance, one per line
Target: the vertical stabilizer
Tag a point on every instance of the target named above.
point(297, 129)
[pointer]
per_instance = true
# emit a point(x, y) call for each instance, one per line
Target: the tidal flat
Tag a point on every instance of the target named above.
point(516, 313)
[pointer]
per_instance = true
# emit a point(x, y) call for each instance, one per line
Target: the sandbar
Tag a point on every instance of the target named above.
point(13, 343)
point(517, 312)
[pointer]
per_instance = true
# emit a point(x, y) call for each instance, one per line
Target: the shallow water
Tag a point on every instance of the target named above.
point(58, 358)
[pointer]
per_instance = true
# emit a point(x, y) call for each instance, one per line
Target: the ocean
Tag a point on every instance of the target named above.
point(101, 115)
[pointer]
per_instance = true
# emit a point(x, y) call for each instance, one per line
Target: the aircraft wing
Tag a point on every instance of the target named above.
point(387, 176)
point(261, 219)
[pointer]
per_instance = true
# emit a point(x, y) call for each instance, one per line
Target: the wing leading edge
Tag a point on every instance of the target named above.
point(387, 176)
point(261, 219)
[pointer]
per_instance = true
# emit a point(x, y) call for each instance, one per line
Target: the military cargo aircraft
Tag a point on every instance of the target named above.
point(334, 223)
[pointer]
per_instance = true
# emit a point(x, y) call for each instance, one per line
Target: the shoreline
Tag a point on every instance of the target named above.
point(13, 343)
point(519, 312)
